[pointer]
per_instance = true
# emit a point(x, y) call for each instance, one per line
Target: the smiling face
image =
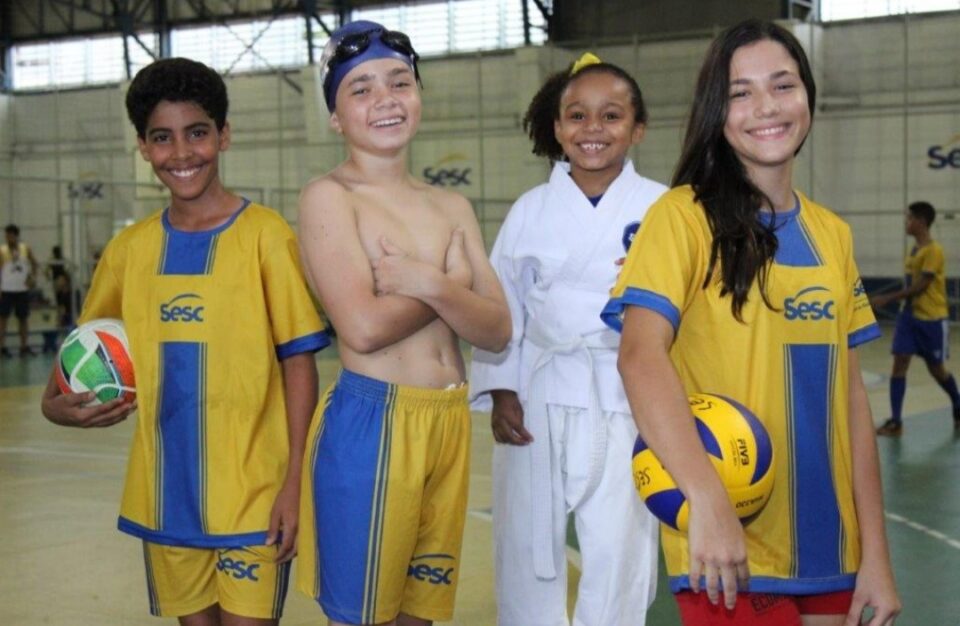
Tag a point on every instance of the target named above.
point(183, 145)
point(768, 115)
point(597, 123)
point(378, 106)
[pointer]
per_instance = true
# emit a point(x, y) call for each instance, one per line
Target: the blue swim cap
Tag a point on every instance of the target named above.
point(374, 48)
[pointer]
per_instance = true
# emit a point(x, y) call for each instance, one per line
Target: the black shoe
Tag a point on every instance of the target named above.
point(27, 351)
point(4, 353)
point(890, 428)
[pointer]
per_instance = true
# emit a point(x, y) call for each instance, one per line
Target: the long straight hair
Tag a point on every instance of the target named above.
point(743, 245)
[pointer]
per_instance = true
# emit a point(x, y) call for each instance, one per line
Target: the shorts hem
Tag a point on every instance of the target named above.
point(433, 614)
point(182, 609)
point(247, 610)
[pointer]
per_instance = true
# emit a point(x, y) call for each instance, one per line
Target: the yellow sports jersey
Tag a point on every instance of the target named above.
point(209, 316)
point(931, 303)
point(787, 365)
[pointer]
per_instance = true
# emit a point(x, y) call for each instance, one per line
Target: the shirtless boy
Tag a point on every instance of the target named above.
point(403, 275)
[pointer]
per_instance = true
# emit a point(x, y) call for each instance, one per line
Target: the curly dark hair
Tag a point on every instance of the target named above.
point(544, 109)
point(176, 80)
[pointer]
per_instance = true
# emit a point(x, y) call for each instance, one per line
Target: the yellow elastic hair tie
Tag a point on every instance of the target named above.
point(587, 58)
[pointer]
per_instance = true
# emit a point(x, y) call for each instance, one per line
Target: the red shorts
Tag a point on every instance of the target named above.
point(760, 609)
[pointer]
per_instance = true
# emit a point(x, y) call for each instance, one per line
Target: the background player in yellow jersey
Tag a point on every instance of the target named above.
point(222, 332)
point(401, 269)
point(740, 286)
point(922, 323)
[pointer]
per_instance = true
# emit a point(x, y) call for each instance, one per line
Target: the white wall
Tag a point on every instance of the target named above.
point(866, 158)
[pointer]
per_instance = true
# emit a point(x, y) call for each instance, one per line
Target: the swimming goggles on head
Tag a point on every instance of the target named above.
point(355, 44)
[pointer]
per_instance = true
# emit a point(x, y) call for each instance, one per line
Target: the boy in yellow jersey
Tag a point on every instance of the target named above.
point(922, 324)
point(222, 332)
point(401, 270)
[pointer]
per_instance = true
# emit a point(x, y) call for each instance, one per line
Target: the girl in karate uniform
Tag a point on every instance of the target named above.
point(560, 417)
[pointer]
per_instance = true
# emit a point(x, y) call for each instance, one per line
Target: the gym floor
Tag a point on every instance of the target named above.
point(64, 562)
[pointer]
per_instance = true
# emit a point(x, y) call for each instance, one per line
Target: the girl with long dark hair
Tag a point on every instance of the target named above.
point(741, 286)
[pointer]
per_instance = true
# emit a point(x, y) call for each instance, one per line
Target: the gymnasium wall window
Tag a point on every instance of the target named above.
point(237, 47)
point(437, 27)
point(833, 10)
point(76, 62)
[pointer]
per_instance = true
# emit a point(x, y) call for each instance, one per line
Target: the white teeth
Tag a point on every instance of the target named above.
point(185, 173)
point(393, 121)
point(769, 132)
point(592, 147)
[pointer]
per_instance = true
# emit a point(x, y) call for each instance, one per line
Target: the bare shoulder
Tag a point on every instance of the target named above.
point(457, 206)
point(327, 186)
point(323, 197)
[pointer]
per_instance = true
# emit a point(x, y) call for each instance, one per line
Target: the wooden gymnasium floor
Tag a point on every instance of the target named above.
point(63, 563)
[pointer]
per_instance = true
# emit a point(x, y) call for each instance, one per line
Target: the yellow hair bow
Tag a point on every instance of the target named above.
point(587, 58)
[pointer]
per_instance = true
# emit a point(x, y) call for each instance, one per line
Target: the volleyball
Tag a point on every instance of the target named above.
point(739, 448)
point(96, 357)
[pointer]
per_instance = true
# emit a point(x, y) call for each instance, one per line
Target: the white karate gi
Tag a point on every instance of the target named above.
point(555, 255)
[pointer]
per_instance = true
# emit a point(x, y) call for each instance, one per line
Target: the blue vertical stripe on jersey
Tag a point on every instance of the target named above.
point(202, 435)
point(163, 252)
point(191, 252)
point(791, 447)
point(795, 244)
point(818, 530)
point(211, 254)
point(188, 253)
point(182, 376)
point(158, 452)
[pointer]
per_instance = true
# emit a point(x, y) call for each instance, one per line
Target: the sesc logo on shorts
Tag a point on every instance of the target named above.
point(239, 569)
point(812, 303)
point(426, 568)
point(182, 308)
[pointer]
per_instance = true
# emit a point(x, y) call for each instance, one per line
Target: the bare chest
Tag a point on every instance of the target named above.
point(419, 228)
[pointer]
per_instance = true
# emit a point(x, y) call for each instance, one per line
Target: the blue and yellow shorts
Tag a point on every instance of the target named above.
point(384, 500)
point(244, 581)
point(927, 338)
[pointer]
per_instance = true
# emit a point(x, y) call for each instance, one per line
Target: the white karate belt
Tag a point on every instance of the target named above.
point(538, 425)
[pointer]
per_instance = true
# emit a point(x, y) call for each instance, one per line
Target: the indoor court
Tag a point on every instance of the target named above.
point(886, 133)
point(68, 565)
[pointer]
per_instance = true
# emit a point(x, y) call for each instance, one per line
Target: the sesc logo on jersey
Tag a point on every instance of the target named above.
point(810, 304)
point(186, 307)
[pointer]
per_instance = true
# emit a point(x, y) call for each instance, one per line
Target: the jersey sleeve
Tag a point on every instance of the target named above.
point(105, 297)
point(863, 325)
point(663, 267)
point(931, 259)
point(294, 317)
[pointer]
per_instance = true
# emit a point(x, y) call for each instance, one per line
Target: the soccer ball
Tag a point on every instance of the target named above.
point(96, 357)
point(739, 448)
